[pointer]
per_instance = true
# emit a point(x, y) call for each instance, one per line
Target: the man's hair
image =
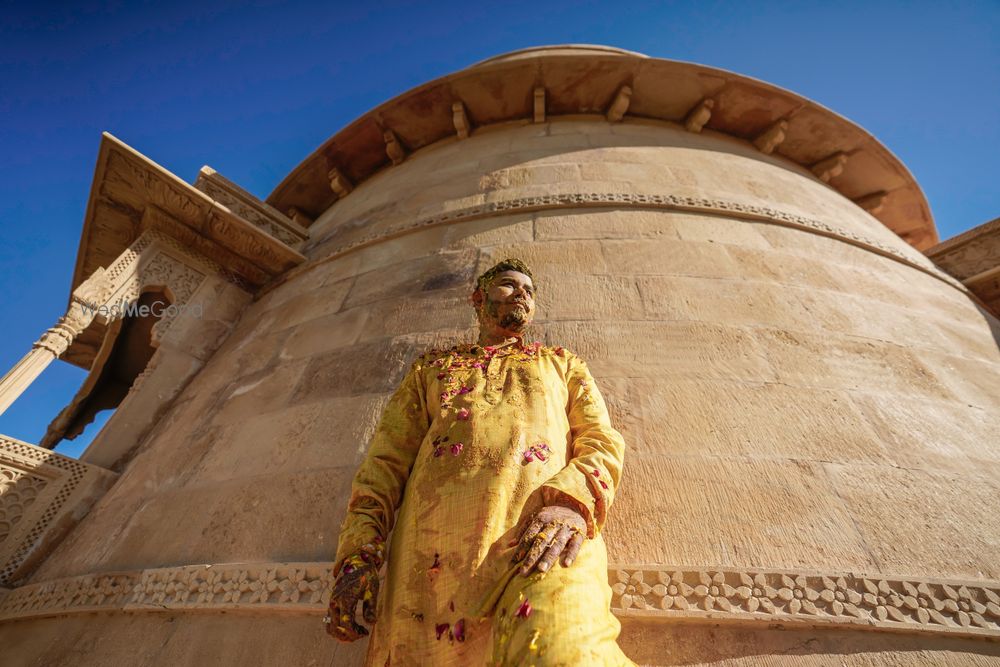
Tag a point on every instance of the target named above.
point(509, 264)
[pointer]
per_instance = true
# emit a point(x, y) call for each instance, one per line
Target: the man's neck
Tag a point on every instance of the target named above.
point(498, 337)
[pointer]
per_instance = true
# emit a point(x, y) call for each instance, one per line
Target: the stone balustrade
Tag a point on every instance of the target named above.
point(42, 496)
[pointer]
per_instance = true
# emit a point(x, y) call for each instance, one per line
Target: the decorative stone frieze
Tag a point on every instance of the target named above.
point(41, 496)
point(643, 200)
point(839, 599)
point(268, 587)
point(971, 253)
point(741, 596)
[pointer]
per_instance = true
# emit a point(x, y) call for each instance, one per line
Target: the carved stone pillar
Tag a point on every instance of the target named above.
point(82, 309)
point(152, 260)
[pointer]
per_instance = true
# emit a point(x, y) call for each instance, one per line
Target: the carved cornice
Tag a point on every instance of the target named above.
point(612, 85)
point(765, 597)
point(132, 193)
point(248, 207)
point(631, 200)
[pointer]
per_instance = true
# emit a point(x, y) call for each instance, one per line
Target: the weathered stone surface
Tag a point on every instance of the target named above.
point(790, 513)
point(607, 224)
point(171, 638)
point(955, 514)
point(429, 273)
point(842, 362)
point(664, 349)
point(669, 257)
point(745, 647)
point(754, 421)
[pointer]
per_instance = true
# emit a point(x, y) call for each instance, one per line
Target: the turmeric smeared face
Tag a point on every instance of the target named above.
point(508, 304)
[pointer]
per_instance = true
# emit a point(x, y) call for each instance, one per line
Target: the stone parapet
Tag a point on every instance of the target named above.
point(42, 496)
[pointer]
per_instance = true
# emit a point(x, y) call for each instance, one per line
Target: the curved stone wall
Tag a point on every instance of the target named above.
point(806, 399)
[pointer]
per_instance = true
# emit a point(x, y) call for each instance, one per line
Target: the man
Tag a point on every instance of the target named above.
point(503, 462)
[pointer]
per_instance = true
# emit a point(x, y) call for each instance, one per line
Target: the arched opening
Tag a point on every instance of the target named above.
point(126, 351)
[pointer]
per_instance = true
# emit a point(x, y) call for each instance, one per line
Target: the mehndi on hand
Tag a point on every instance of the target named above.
point(555, 530)
point(356, 582)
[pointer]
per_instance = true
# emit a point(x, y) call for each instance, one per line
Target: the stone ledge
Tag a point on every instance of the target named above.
point(767, 598)
point(653, 201)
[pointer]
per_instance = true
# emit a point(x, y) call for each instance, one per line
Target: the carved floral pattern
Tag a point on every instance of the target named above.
point(277, 585)
point(18, 492)
point(931, 606)
point(789, 598)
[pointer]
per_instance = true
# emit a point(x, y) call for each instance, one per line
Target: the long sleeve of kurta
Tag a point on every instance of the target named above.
point(594, 470)
point(379, 483)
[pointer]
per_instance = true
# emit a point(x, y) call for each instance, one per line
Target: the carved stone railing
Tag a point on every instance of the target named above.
point(42, 495)
point(762, 597)
point(249, 208)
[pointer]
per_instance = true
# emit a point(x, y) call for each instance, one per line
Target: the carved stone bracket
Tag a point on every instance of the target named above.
point(41, 493)
point(460, 118)
point(958, 608)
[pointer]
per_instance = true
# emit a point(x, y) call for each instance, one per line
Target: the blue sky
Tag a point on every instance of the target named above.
point(251, 89)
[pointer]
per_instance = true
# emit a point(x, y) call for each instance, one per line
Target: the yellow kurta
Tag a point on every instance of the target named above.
point(473, 441)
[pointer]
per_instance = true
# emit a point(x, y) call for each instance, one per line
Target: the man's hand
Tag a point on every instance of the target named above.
point(554, 530)
point(357, 582)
